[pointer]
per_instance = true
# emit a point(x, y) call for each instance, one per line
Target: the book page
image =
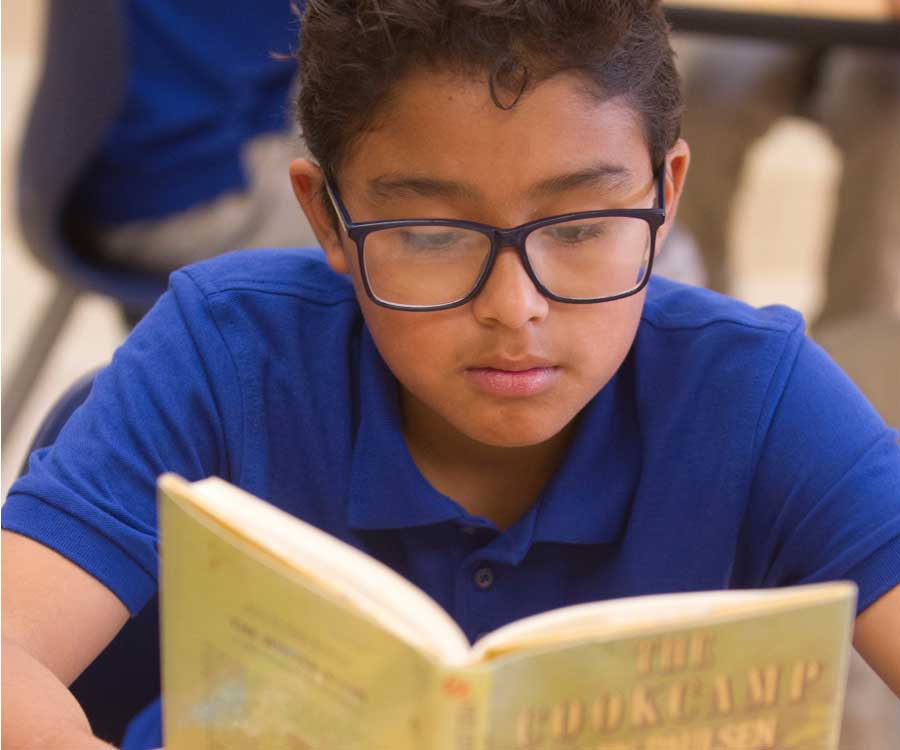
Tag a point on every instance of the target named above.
point(607, 619)
point(330, 564)
point(768, 682)
point(254, 658)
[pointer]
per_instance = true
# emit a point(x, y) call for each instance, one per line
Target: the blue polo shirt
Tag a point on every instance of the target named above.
point(201, 81)
point(727, 451)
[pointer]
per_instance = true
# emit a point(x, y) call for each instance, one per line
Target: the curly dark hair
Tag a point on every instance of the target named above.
point(352, 52)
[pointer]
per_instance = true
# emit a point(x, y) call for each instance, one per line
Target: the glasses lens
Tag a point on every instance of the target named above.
point(591, 258)
point(424, 265)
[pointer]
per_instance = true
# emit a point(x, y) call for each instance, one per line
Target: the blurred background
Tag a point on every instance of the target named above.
point(778, 233)
point(95, 328)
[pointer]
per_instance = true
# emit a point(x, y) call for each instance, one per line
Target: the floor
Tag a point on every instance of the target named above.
point(778, 259)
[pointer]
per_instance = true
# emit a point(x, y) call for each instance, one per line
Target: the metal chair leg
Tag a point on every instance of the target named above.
point(18, 387)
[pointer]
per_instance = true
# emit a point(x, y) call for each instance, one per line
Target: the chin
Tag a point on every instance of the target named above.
point(510, 434)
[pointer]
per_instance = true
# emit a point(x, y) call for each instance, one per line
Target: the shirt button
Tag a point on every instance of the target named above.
point(469, 530)
point(484, 577)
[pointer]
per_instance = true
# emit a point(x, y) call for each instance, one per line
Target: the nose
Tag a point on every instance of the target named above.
point(509, 296)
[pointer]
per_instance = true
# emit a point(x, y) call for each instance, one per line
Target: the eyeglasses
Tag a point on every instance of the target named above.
point(586, 257)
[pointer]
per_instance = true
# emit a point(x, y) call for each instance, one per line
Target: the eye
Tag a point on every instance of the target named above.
point(575, 233)
point(423, 239)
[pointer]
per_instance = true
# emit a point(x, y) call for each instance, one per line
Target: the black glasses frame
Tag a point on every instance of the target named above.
point(500, 238)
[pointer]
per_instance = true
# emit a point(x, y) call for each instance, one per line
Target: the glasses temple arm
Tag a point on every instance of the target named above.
point(338, 207)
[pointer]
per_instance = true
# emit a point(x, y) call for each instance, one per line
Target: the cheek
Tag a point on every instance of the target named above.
point(415, 346)
point(603, 337)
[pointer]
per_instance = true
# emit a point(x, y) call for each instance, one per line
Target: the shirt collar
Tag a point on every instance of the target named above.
point(585, 502)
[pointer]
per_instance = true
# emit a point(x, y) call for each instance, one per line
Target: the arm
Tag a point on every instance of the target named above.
point(826, 500)
point(877, 637)
point(56, 620)
point(169, 401)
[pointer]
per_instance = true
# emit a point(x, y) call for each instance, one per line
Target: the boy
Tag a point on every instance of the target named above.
point(513, 419)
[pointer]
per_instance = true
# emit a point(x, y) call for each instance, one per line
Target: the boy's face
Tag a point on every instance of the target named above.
point(510, 368)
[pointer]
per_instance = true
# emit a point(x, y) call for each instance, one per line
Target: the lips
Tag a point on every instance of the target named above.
point(513, 379)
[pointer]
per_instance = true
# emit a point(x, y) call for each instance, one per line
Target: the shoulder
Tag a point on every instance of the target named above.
point(685, 328)
point(674, 306)
point(712, 369)
point(760, 437)
point(302, 273)
point(244, 310)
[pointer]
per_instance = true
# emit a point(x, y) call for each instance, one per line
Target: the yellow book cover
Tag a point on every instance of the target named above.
point(276, 635)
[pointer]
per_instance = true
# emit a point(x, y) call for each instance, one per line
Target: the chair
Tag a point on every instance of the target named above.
point(125, 677)
point(77, 98)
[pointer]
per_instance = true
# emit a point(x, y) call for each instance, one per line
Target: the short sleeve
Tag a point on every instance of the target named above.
point(825, 496)
point(169, 401)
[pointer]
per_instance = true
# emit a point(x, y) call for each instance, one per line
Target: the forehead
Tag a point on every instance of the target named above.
point(447, 126)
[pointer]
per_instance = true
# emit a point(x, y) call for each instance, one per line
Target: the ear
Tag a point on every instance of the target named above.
point(677, 161)
point(308, 182)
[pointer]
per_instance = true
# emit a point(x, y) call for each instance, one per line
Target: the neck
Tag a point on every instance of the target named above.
point(495, 482)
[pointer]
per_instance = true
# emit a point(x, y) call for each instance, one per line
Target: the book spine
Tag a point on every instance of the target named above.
point(458, 709)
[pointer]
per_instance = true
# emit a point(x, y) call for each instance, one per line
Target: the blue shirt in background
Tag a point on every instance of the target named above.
point(727, 452)
point(201, 81)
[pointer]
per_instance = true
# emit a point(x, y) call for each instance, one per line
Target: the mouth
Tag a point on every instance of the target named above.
point(514, 379)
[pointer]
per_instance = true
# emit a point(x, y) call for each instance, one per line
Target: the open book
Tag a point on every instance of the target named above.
point(276, 635)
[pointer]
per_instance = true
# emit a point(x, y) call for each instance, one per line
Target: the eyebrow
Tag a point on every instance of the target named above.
point(603, 175)
point(394, 184)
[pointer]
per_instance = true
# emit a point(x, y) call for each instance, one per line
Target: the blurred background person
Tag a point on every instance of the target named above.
point(206, 95)
point(159, 135)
